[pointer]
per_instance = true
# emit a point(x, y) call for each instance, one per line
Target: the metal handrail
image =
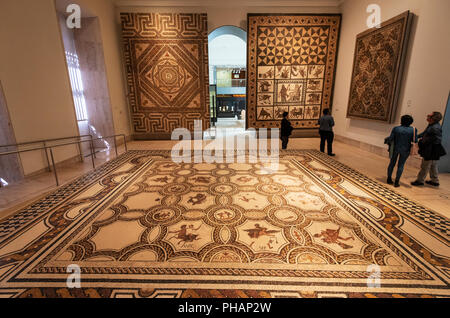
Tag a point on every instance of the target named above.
point(45, 141)
point(92, 154)
point(42, 141)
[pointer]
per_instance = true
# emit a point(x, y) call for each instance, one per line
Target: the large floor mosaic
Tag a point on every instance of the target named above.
point(143, 226)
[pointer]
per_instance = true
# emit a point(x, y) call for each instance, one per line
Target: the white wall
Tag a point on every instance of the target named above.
point(34, 76)
point(427, 70)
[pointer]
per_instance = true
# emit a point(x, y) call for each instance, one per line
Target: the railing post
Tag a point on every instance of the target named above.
point(54, 166)
point(46, 157)
point(92, 154)
point(125, 142)
point(115, 146)
point(92, 146)
point(79, 149)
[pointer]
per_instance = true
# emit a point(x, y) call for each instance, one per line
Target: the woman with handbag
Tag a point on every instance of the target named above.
point(404, 139)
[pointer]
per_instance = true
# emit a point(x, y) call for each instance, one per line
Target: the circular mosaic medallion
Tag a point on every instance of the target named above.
point(270, 188)
point(162, 215)
point(286, 216)
point(221, 189)
point(225, 216)
point(177, 188)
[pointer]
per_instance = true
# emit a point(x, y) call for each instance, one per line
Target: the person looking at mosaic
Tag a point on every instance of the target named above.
point(286, 130)
point(431, 150)
point(401, 139)
point(326, 123)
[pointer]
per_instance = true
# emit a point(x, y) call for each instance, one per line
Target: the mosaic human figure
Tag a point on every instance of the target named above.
point(258, 231)
point(332, 236)
point(183, 236)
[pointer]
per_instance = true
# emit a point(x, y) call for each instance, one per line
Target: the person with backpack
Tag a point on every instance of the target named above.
point(401, 142)
point(286, 130)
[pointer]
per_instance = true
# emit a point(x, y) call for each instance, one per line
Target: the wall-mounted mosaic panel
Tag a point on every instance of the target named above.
point(291, 61)
point(377, 70)
point(166, 58)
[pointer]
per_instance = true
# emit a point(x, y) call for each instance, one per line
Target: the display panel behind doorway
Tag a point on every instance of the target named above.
point(377, 70)
point(291, 62)
point(166, 57)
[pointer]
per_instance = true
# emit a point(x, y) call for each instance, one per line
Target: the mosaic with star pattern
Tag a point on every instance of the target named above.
point(291, 68)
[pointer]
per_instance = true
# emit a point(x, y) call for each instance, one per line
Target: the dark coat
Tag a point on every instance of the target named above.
point(286, 128)
point(430, 147)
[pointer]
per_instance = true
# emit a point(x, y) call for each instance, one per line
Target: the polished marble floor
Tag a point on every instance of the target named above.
point(374, 166)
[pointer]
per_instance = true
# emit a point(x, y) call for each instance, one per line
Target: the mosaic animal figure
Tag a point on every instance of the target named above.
point(297, 70)
point(268, 74)
point(265, 99)
point(283, 72)
point(245, 199)
point(313, 99)
point(162, 180)
point(314, 85)
point(244, 179)
point(225, 215)
point(317, 70)
point(201, 179)
point(297, 112)
point(161, 216)
point(264, 86)
point(198, 199)
point(264, 114)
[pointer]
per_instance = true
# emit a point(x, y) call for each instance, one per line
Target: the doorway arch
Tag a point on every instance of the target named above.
point(228, 78)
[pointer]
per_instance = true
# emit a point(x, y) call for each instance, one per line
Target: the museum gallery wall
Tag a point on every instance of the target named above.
point(166, 59)
point(291, 68)
point(377, 70)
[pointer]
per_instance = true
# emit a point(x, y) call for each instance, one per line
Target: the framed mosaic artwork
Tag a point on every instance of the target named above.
point(166, 59)
point(377, 70)
point(291, 67)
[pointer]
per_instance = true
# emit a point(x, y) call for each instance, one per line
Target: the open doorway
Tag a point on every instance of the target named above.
point(227, 74)
point(86, 68)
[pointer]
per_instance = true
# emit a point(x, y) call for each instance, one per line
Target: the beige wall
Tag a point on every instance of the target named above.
point(426, 79)
point(34, 76)
point(110, 35)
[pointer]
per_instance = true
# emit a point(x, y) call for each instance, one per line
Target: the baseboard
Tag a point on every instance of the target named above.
point(380, 151)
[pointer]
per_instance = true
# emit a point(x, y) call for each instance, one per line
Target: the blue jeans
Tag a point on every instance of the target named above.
point(401, 157)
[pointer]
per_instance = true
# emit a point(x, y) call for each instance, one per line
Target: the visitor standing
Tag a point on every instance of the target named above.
point(286, 130)
point(431, 150)
point(326, 123)
point(401, 139)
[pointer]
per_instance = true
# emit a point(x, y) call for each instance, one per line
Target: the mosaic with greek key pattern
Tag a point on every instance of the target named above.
point(149, 227)
point(291, 68)
point(166, 58)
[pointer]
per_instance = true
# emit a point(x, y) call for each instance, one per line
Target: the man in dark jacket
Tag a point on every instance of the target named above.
point(286, 130)
point(431, 150)
point(326, 123)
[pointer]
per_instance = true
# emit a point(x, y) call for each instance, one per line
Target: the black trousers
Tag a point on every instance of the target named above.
point(328, 137)
point(285, 141)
